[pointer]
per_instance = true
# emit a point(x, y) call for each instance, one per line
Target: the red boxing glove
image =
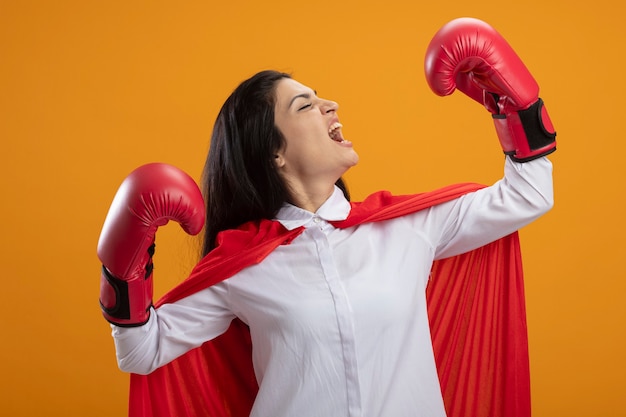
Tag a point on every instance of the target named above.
point(469, 55)
point(149, 197)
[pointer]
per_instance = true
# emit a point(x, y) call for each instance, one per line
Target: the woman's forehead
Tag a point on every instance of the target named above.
point(289, 86)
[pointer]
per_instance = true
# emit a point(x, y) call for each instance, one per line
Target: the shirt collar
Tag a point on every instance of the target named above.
point(336, 208)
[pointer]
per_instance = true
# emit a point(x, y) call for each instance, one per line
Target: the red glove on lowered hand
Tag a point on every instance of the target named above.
point(148, 198)
point(469, 55)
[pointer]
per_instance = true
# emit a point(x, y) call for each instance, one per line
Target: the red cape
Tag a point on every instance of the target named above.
point(475, 304)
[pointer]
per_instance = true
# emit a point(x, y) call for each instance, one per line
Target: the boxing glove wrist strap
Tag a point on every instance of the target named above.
point(125, 303)
point(526, 134)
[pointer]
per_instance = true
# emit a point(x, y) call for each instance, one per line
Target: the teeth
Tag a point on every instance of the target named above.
point(333, 130)
point(334, 126)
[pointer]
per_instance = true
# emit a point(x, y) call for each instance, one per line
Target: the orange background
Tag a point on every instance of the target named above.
point(90, 90)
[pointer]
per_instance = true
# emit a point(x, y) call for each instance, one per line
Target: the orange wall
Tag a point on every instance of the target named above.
point(91, 90)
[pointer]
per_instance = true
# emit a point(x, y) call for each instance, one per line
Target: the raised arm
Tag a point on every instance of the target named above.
point(145, 338)
point(469, 55)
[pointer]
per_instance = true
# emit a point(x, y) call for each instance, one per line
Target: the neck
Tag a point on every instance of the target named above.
point(310, 198)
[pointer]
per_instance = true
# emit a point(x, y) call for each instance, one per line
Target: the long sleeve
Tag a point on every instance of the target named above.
point(345, 307)
point(172, 330)
point(475, 219)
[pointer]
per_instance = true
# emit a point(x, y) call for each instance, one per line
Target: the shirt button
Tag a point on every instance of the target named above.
point(316, 219)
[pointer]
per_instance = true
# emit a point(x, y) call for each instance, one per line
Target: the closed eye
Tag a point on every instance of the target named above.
point(305, 96)
point(305, 107)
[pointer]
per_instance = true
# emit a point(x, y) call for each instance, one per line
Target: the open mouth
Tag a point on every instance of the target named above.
point(334, 132)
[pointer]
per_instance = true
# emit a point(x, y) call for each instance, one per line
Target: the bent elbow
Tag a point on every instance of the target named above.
point(547, 203)
point(128, 366)
point(547, 196)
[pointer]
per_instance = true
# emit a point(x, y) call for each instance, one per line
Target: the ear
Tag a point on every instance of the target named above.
point(279, 159)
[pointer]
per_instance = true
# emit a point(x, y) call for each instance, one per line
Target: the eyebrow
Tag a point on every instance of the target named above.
point(303, 95)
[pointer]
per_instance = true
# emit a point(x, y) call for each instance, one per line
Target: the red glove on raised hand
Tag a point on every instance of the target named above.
point(148, 198)
point(469, 55)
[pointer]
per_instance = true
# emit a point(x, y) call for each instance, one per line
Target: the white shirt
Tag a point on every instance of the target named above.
point(338, 318)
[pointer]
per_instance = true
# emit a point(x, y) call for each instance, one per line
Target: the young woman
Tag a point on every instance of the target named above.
point(338, 317)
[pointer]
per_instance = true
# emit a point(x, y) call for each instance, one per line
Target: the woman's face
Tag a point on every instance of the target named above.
point(314, 147)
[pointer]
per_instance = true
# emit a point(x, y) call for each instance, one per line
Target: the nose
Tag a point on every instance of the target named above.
point(328, 106)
